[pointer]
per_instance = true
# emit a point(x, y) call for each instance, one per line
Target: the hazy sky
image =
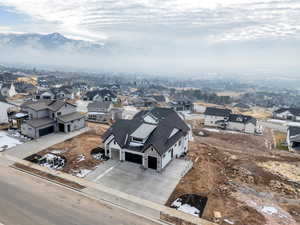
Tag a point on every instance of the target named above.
point(198, 33)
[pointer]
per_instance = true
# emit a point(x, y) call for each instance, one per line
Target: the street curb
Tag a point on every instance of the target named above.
point(162, 209)
point(78, 191)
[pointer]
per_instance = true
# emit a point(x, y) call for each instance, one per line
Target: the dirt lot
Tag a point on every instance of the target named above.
point(77, 150)
point(280, 138)
point(244, 179)
point(256, 112)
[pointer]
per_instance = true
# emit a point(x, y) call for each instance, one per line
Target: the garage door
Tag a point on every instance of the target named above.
point(45, 131)
point(130, 157)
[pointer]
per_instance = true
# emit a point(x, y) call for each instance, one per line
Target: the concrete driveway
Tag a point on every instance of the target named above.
point(132, 179)
point(24, 150)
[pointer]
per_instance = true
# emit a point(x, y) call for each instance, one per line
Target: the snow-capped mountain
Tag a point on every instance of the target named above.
point(49, 42)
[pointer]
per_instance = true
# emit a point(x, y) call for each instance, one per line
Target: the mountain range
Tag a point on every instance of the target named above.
point(49, 42)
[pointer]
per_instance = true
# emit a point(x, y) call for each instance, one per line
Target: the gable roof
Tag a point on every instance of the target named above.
point(159, 98)
point(103, 92)
point(294, 133)
point(241, 105)
point(212, 111)
point(70, 117)
point(239, 118)
point(53, 105)
point(159, 135)
point(99, 106)
point(294, 111)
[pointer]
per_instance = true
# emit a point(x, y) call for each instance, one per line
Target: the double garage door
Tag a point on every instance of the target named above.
point(130, 157)
point(45, 131)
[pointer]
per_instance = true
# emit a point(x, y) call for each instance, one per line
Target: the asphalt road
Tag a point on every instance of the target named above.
point(26, 200)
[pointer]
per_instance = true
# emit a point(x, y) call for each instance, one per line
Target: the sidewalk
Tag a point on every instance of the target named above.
point(35, 146)
point(118, 198)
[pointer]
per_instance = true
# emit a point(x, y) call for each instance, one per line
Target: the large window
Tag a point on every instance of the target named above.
point(137, 139)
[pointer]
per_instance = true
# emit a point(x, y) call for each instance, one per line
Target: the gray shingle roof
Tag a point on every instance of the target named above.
point(98, 106)
point(294, 111)
point(159, 138)
point(70, 117)
point(56, 105)
point(37, 105)
point(53, 105)
point(294, 133)
point(40, 122)
point(212, 111)
point(103, 92)
point(239, 118)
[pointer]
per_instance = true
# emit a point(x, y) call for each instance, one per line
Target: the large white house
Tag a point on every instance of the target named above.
point(152, 138)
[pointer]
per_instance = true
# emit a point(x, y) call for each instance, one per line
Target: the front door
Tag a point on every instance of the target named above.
point(61, 127)
point(152, 162)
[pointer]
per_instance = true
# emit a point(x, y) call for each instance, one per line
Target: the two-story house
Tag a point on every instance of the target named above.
point(100, 112)
point(152, 138)
point(225, 119)
point(61, 93)
point(216, 117)
point(293, 138)
point(49, 116)
point(287, 114)
point(102, 95)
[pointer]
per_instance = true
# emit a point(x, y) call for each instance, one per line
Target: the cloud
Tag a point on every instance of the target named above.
point(171, 35)
point(218, 20)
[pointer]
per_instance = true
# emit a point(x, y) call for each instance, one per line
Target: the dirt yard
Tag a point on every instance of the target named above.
point(77, 150)
point(256, 112)
point(280, 138)
point(246, 181)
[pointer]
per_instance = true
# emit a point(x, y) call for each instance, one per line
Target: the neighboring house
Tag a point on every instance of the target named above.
point(99, 111)
point(225, 119)
point(103, 95)
point(293, 138)
point(152, 138)
point(8, 90)
point(25, 88)
point(241, 106)
point(129, 112)
point(4, 106)
point(144, 102)
point(287, 114)
point(49, 116)
point(45, 95)
point(61, 93)
point(180, 105)
point(242, 123)
point(159, 98)
point(216, 117)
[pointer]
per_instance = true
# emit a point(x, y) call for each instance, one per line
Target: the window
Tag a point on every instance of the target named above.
point(137, 139)
point(59, 113)
point(179, 143)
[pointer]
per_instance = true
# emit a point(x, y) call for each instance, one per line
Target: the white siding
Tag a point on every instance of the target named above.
point(211, 120)
point(166, 158)
point(3, 112)
point(235, 126)
point(250, 128)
